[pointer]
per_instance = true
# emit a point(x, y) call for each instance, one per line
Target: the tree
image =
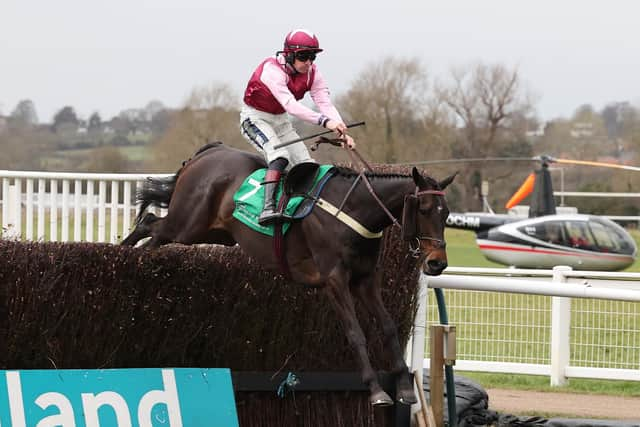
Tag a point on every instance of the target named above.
point(392, 97)
point(490, 108)
point(217, 95)
point(106, 159)
point(153, 108)
point(65, 117)
point(25, 148)
point(95, 122)
point(210, 114)
point(619, 120)
point(160, 122)
point(25, 113)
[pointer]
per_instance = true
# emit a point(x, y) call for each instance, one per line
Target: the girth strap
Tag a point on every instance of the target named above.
point(278, 240)
point(349, 221)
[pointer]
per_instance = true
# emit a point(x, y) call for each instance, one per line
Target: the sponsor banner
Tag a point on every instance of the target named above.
point(181, 397)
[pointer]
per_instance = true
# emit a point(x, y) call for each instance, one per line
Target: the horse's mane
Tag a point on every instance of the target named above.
point(350, 173)
point(210, 144)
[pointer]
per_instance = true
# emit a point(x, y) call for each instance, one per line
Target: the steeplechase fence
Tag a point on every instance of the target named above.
point(101, 306)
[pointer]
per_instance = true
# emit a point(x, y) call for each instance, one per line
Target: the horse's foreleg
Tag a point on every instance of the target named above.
point(369, 293)
point(338, 291)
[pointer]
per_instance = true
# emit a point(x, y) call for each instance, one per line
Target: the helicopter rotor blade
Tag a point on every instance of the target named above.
point(545, 159)
point(468, 160)
point(599, 164)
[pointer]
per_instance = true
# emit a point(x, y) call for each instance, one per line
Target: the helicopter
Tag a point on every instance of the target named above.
point(546, 237)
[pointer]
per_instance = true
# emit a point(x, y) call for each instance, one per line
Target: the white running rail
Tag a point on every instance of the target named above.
point(559, 323)
point(57, 206)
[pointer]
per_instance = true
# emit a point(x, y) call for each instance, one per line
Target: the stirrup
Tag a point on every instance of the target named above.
point(267, 217)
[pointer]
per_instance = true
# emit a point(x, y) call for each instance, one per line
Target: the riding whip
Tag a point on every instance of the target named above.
point(304, 138)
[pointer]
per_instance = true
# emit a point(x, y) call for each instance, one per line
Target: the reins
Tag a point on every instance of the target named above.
point(355, 155)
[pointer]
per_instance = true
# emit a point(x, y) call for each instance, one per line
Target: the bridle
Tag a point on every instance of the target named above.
point(409, 213)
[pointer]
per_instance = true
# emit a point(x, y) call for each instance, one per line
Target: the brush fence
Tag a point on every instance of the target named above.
point(89, 306)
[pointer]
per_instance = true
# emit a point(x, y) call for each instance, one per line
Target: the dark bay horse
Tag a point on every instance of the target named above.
point(320, 249)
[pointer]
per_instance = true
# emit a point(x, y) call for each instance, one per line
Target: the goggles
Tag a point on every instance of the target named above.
point(305, 55)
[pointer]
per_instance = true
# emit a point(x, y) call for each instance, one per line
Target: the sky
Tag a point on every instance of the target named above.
point(107, 56)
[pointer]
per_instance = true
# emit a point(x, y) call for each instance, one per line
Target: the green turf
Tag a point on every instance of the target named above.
point(541, 383)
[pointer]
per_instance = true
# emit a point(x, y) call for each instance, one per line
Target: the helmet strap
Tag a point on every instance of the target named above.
point(289, 58)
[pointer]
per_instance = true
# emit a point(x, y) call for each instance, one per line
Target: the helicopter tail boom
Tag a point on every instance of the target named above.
point(477, 222)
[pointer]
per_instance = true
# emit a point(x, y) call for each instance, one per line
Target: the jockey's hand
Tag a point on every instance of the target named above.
point(351, 144)
point(336, 126)
point(341, 129)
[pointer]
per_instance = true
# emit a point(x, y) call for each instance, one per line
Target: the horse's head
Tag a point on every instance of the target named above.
point(423, 221)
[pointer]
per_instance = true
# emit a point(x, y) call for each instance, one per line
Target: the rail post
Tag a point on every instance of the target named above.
point(560, 327)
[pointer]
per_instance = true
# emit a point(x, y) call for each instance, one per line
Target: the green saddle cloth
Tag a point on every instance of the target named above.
point(249, 200)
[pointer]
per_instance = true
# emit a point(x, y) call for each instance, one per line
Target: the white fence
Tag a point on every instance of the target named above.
point(558, 323)
point(65, 207)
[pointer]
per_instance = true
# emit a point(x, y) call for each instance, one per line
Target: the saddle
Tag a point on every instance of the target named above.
point(301, 181)
point(300, 178)
point(301, 189)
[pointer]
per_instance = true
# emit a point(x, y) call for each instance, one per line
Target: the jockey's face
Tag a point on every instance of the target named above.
point(303, 60)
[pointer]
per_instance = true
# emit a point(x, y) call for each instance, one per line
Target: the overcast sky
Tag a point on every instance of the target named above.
point(107, 56)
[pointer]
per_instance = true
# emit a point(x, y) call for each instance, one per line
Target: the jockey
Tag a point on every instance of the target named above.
point(275, 88)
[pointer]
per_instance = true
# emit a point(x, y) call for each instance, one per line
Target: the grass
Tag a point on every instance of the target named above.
point(83, 227)
point(541, 383)
point(462, 250)
point(67, 158)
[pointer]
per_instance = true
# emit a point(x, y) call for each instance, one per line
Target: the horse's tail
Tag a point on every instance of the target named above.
point(156, 192)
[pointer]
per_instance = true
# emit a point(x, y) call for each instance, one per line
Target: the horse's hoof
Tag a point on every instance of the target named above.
point(409, 399)
point(381, 399)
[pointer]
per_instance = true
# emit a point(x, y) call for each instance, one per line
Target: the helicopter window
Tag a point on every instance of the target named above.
point(551, 232)
point(606, 241)
point(579, 235)
point(556, 233)
point(536, 231)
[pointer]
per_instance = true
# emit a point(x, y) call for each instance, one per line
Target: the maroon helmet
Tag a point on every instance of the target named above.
point(299, 40)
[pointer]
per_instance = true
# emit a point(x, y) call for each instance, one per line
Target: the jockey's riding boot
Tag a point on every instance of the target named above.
point(269, 210)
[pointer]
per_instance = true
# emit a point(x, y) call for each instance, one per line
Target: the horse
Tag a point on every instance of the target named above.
point(321, 250)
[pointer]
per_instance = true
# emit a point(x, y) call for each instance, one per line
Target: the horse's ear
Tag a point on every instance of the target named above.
point(418, 179)
point(448, 180)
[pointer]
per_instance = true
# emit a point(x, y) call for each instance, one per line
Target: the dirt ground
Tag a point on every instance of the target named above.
point(518, 402)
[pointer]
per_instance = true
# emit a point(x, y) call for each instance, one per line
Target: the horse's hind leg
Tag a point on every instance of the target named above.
point(143, 230)
point(368, 290)
point(338, 291)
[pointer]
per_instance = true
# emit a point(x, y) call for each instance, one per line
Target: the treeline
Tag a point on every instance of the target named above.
point(474, 111)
